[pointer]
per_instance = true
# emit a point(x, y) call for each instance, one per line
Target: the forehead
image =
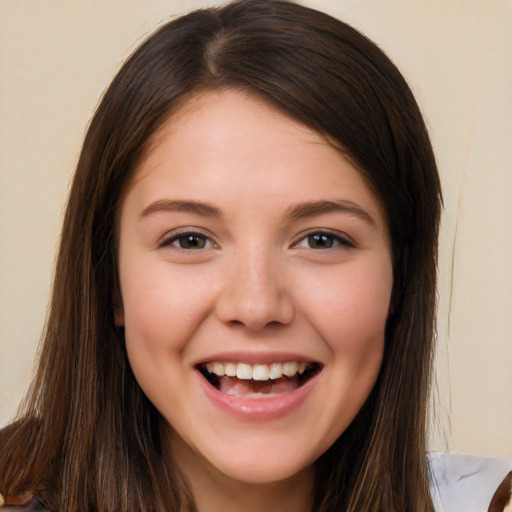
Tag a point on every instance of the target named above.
point(215, 116)
point(221, 140)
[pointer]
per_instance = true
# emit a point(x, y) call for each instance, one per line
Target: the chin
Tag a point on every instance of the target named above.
point(265, 472)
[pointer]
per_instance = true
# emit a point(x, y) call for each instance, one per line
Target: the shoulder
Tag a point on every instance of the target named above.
point(469, 483)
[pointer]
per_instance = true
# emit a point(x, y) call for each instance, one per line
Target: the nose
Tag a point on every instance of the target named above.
point(255, 293)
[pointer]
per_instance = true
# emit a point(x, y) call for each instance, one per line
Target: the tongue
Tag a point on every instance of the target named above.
point(256, 389)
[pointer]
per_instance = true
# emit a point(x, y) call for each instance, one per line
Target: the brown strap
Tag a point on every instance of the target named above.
point(502, 499)
point(18, 499)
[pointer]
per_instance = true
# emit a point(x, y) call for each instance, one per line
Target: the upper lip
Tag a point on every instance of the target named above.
point(256, 358)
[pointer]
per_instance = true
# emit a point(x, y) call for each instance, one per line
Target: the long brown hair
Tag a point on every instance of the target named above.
point(87, 438)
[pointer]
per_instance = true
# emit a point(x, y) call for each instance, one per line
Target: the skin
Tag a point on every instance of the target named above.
point(255, 286)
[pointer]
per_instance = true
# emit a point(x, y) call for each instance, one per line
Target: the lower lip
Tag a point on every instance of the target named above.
point(259, 409)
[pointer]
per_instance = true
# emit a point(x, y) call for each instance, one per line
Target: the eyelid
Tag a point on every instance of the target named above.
point(342, 238)
point(171, 236)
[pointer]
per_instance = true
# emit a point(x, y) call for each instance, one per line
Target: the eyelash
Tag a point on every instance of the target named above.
point(315, 236)
point(335, 239)
point(176, 238)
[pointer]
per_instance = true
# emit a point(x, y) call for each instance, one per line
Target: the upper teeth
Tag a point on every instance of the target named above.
point(247, 371)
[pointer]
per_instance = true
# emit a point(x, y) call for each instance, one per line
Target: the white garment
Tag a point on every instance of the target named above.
point(464, 483)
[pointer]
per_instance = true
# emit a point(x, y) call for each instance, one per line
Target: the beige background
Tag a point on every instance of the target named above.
point(56, 57)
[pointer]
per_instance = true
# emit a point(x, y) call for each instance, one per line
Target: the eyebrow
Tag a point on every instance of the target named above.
point(296, 212)
point(312, 209)
point(177, 205)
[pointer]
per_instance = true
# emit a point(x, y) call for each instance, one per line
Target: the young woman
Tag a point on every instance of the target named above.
point(243, 306)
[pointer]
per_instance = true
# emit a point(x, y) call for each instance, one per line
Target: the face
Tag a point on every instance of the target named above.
point(255, 276)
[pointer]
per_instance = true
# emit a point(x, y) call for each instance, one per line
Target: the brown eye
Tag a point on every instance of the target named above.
point(321, 241)
point(191, 242)
point(188, 242)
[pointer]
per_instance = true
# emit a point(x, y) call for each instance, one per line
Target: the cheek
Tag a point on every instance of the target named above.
point(161, 313)
point(350, 314)
point(147, 335)
point(161, 310)
point(352, 308)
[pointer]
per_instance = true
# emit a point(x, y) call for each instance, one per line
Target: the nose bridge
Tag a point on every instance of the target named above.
point(256, 291)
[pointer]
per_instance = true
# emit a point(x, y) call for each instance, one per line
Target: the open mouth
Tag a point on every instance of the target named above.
point(258, 380)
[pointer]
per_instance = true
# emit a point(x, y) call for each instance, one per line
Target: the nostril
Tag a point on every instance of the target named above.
point(254, 300)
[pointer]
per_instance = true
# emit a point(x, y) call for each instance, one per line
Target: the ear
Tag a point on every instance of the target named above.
point(117, 306)
point(119, 316)
point(118, 309)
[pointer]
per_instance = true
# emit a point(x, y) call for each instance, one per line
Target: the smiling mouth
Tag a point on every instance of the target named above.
point(258, 380)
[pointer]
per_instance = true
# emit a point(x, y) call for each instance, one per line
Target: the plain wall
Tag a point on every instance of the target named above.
point(56, 58)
